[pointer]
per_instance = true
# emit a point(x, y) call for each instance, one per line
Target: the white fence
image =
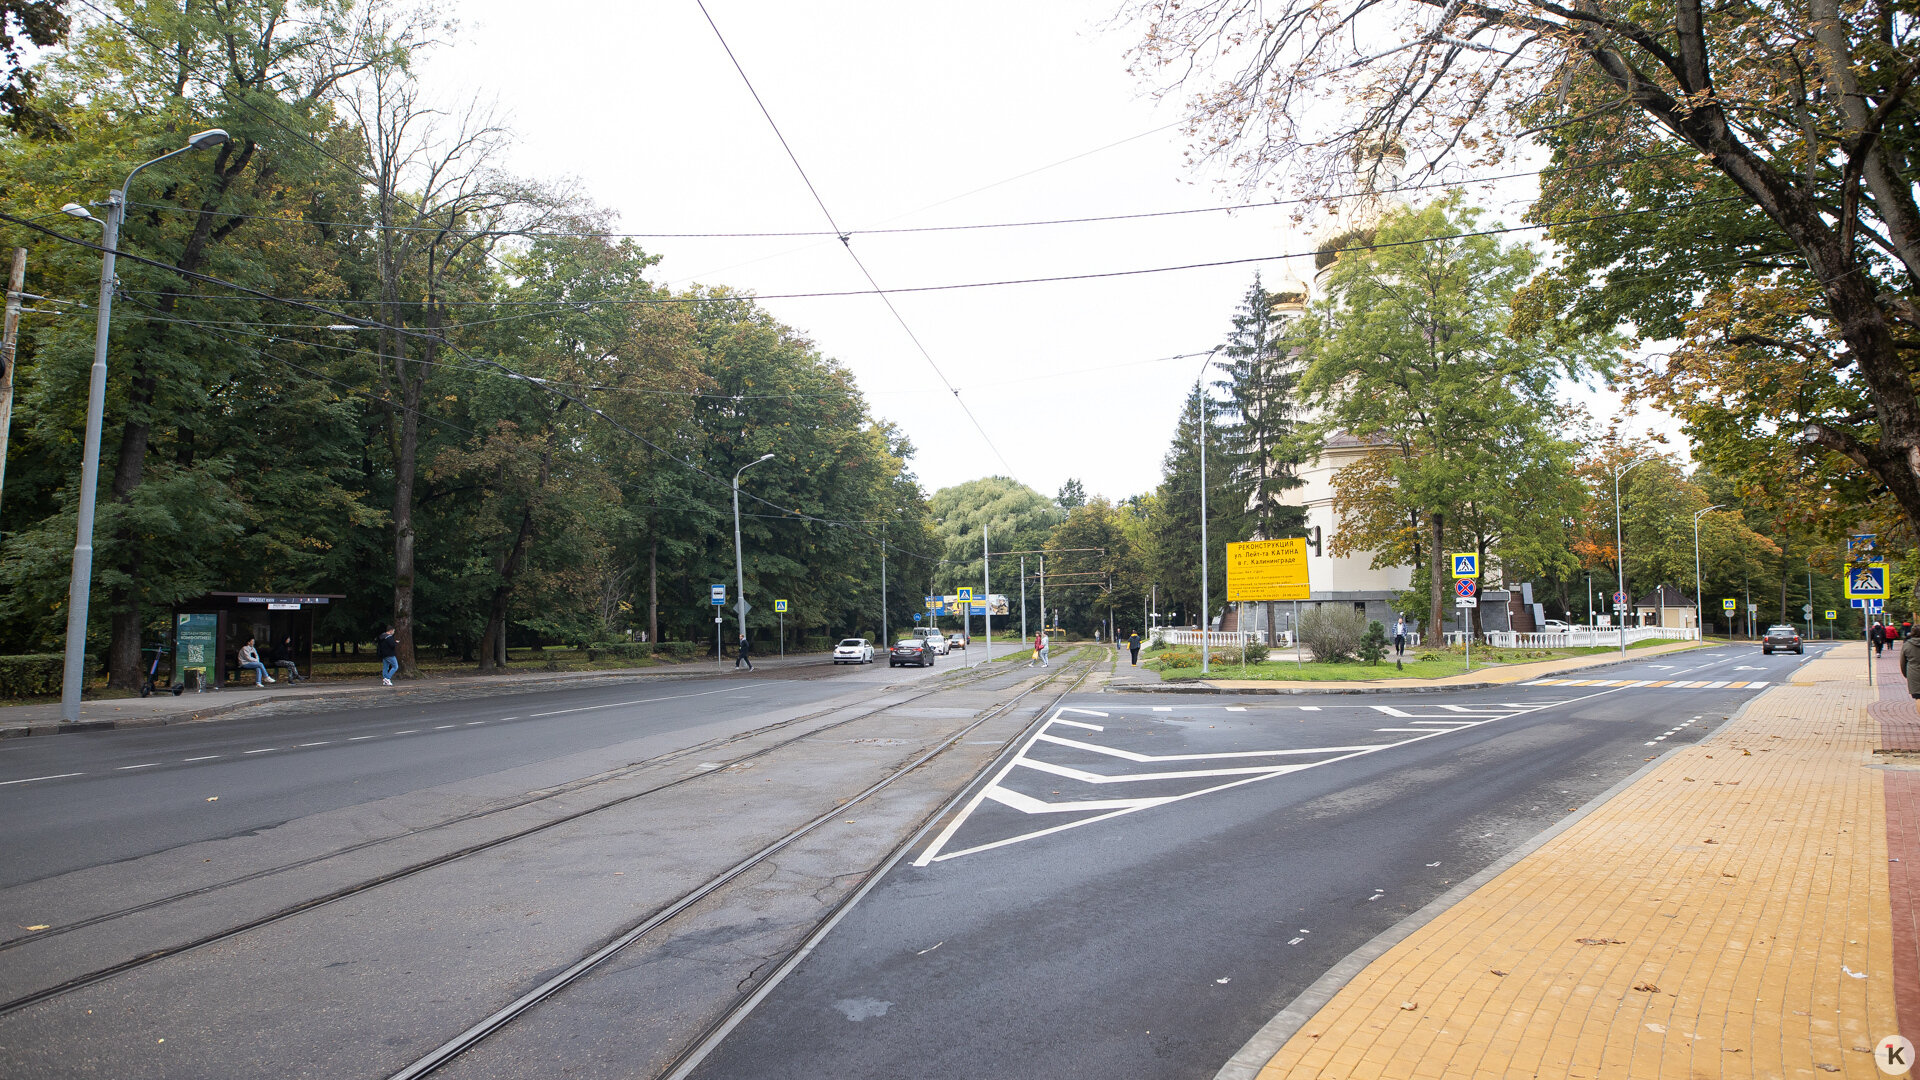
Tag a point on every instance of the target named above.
point(1217, 639)
point(1581, 639)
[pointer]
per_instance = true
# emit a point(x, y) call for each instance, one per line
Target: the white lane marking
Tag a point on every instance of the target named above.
point(1163, 708)
point(1296, 941)
point(1461, 708)
point(357, 738)
point(126, 768)
point(470, 723)
point(1390, 710)
point(636, 701)
point(1086, 777)
point(409, 731)
point(267, 750)
point(1309, 708)
point(1129, 755)
point(31, 779)
point(1104, 809)
point(304, 744)
point(443, 727)
point(502, 720)
point(1422, 730)
point(205, 757)
point(1078, 724)
point(1236, 708)
point(1085, 712)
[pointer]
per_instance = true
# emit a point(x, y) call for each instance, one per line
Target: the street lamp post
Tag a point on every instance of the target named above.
point(1204, 605)
point(1699, 604)
point(81, 585)
point(739, 569)
point(1620, 552)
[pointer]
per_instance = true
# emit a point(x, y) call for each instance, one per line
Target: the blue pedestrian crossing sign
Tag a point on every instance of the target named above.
point(1466, 564)
point(779, 605)
point(964, 596)
point(1867, 582)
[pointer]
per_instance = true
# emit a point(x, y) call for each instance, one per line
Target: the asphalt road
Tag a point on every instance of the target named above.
point(1155, 877)
point(96, 798)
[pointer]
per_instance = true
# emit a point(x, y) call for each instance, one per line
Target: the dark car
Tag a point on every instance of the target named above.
point(1782, 637)
point(913, 651)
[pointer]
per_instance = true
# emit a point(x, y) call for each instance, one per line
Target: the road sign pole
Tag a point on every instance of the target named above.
point(783, 635)
point(986, 591)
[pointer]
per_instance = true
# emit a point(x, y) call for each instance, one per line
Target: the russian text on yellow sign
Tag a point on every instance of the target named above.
point(1267, 570)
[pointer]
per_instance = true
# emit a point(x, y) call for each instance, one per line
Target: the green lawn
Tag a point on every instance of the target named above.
point(1419, 664)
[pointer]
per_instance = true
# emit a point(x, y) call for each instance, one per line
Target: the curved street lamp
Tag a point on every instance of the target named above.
point(1699, 604)
point(1619, 550)
point(739, 570)
point(81, 584)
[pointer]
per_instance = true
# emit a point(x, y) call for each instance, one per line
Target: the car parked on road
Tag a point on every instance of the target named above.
point(853, 650)
point(932, 637)
point(913, 651)
point(1555, 626)
point(1782, 637)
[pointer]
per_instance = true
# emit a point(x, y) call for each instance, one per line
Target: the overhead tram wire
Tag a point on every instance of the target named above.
point(1147, 215)
point(846, 241)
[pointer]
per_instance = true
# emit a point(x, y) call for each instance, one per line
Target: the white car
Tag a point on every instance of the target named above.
point(1555, 626)
point(933, 638)
point(853, 650)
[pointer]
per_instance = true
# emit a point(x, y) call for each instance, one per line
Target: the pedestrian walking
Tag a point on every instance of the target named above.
point(388, 650)
point(1400, 637)
point(1045, 642)
point(1037, 635)
point(250, 660)
point(1133, 646)
point(741, 655)
point(1910, 665)
point(1878, 635)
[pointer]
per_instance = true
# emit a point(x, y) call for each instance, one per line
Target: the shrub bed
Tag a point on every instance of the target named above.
point(34, 674)
point(620, 650)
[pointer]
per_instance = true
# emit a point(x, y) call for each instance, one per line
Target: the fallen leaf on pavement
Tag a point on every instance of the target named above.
point(1497, 971)
point(1409, 1005)
point(1599, 941)
point(1647, 988)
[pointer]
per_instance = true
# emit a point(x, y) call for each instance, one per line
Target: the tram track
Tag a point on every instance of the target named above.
point(106, 972)
point(752, 991)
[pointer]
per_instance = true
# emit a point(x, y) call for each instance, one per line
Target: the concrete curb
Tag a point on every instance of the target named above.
point(1253, 1056)
point(349, 698)
point(1309, 688)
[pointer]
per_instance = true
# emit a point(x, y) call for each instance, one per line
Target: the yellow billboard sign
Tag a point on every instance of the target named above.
point(1267, 570)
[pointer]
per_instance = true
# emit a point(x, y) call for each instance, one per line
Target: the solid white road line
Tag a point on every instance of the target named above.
point(1078, 724)
point(129, 768)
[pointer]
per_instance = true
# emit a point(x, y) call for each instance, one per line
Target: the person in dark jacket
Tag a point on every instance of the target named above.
point(1877, 637)
point(388, 650)
point(283, 658)
point(1133, 647)
point(741, 655)
point(1910, 665)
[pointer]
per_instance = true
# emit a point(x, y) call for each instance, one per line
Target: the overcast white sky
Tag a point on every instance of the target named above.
point(906, 115)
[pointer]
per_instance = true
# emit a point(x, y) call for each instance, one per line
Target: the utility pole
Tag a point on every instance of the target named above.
point(884, 641)
point(1023, 598)
point(1203, 533)
point(15, 282)
point(986, 591)
point(1043, 594)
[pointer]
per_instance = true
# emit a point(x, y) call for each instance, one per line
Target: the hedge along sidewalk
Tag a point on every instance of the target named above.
point(17, 721)
point(1487, 677)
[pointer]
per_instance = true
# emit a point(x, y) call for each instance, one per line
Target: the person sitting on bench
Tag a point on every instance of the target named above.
point(250, 660)
point(283, 658)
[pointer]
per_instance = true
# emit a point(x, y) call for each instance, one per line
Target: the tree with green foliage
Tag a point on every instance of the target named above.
point(1016, 517)
point(1410, 354)
point(1175, 521)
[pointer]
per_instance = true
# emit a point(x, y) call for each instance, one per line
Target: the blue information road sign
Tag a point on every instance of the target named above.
point(718, 595)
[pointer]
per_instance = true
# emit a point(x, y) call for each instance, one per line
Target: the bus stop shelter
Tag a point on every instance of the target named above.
point(208, 630)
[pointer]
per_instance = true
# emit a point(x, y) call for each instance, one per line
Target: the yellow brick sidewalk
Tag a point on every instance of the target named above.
point(1726, 897)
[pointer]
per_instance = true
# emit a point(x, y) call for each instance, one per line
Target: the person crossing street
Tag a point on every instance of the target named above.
point(742, 655)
